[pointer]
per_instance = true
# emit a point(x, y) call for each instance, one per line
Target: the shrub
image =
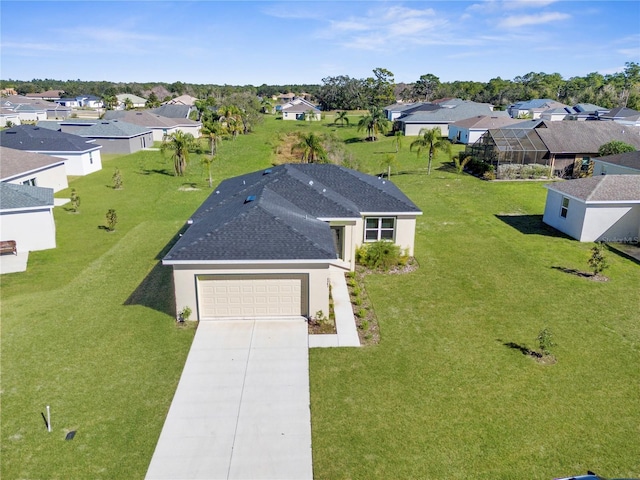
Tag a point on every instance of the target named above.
point(75, 201)
point(361, 313)
point(381, 254)
point(544, 341)
point(112, 220)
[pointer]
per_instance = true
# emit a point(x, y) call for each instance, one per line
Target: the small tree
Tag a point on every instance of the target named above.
point(545, 342)
point(75, 201)
point(117, 179)
point(388, 162)
point(597, 261)
point(207, 161)
point(112, 220)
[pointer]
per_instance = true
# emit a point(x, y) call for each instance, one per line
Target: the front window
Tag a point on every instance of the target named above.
point(379, 228)
point(565, 207)
point(31, 182)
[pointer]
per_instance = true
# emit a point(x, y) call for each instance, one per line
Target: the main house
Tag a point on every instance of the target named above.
point(263, 244)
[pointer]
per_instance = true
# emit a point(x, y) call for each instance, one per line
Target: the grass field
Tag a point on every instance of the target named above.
point(89, 330)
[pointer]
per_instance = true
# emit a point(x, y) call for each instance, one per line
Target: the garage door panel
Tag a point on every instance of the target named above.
point(252, 296)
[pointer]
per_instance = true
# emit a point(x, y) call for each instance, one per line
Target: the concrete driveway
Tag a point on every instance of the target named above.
point(241, 409)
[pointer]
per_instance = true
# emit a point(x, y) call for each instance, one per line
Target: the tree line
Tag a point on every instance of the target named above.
point(346, 93)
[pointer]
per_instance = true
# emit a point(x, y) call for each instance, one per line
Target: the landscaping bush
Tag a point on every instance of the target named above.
point(380, 255)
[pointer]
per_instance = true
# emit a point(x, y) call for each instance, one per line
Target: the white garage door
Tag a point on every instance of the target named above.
point(224, 296)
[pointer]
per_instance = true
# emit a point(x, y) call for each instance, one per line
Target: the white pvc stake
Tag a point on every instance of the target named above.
point(48, 419)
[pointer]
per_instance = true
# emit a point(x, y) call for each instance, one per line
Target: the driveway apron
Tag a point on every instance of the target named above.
point(241, 409)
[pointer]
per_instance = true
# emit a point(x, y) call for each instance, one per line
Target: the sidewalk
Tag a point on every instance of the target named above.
point(347, 332)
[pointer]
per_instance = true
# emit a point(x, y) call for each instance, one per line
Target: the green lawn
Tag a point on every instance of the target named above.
point(89, 330)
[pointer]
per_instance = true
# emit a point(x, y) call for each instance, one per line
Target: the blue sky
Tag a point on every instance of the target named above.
point(296, 42)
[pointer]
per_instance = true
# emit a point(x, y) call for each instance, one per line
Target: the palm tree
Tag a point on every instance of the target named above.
point(341, 117)
point(213, 132)
point(207, 161)
point(375, 121)
point(432, 141)
point(398, 139)
point(312, 148)
point(180, 144)
point(128, 103)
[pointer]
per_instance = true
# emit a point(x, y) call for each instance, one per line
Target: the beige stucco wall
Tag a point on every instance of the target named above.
point(185, 278)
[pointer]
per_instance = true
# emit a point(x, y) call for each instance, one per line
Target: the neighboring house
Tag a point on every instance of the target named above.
point(566, 147)
point(30, 113)
point(136, 101)
point(603, 208)
point(159, 125)
point(412, 121)
point(28, 105)
point(627, 163)
point(89, 101)
point(556, 114)
point(619, 113)
point(300, 111)
point(392, 112)
point(115, 136)
point(471, 129)
point(532, 108)
point(82, 156)
point(26, 216)
point(48, 95)
point(27, 168)
point(630, 121)
point(174, 110)
point(182, 100)
point(263, 243)
point(586, 111)
point(8, 117)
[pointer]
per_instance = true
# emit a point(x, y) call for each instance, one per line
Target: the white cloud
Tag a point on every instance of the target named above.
point(516, 21)
point(516, 4)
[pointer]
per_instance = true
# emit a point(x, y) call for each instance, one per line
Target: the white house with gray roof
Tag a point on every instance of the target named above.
point(263, 244)
point(26, 216)
point(604, 208)
point(27, 168)
point(431, 116)
point(82, 155)
point(115, 136)
point(158, 124)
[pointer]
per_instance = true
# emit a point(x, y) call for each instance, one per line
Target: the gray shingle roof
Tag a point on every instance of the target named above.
point(173, 110)
point(500, 119)
point(146, 118)
point(603, 188)
point(585, 137)
point(274, 214)
point(113, 129)
point(24, 196)
point(16, 162)
point(33, 138)
point(626, 159)
point(448, 115)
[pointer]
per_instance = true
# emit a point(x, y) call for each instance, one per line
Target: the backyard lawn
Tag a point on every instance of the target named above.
point(447, 393)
